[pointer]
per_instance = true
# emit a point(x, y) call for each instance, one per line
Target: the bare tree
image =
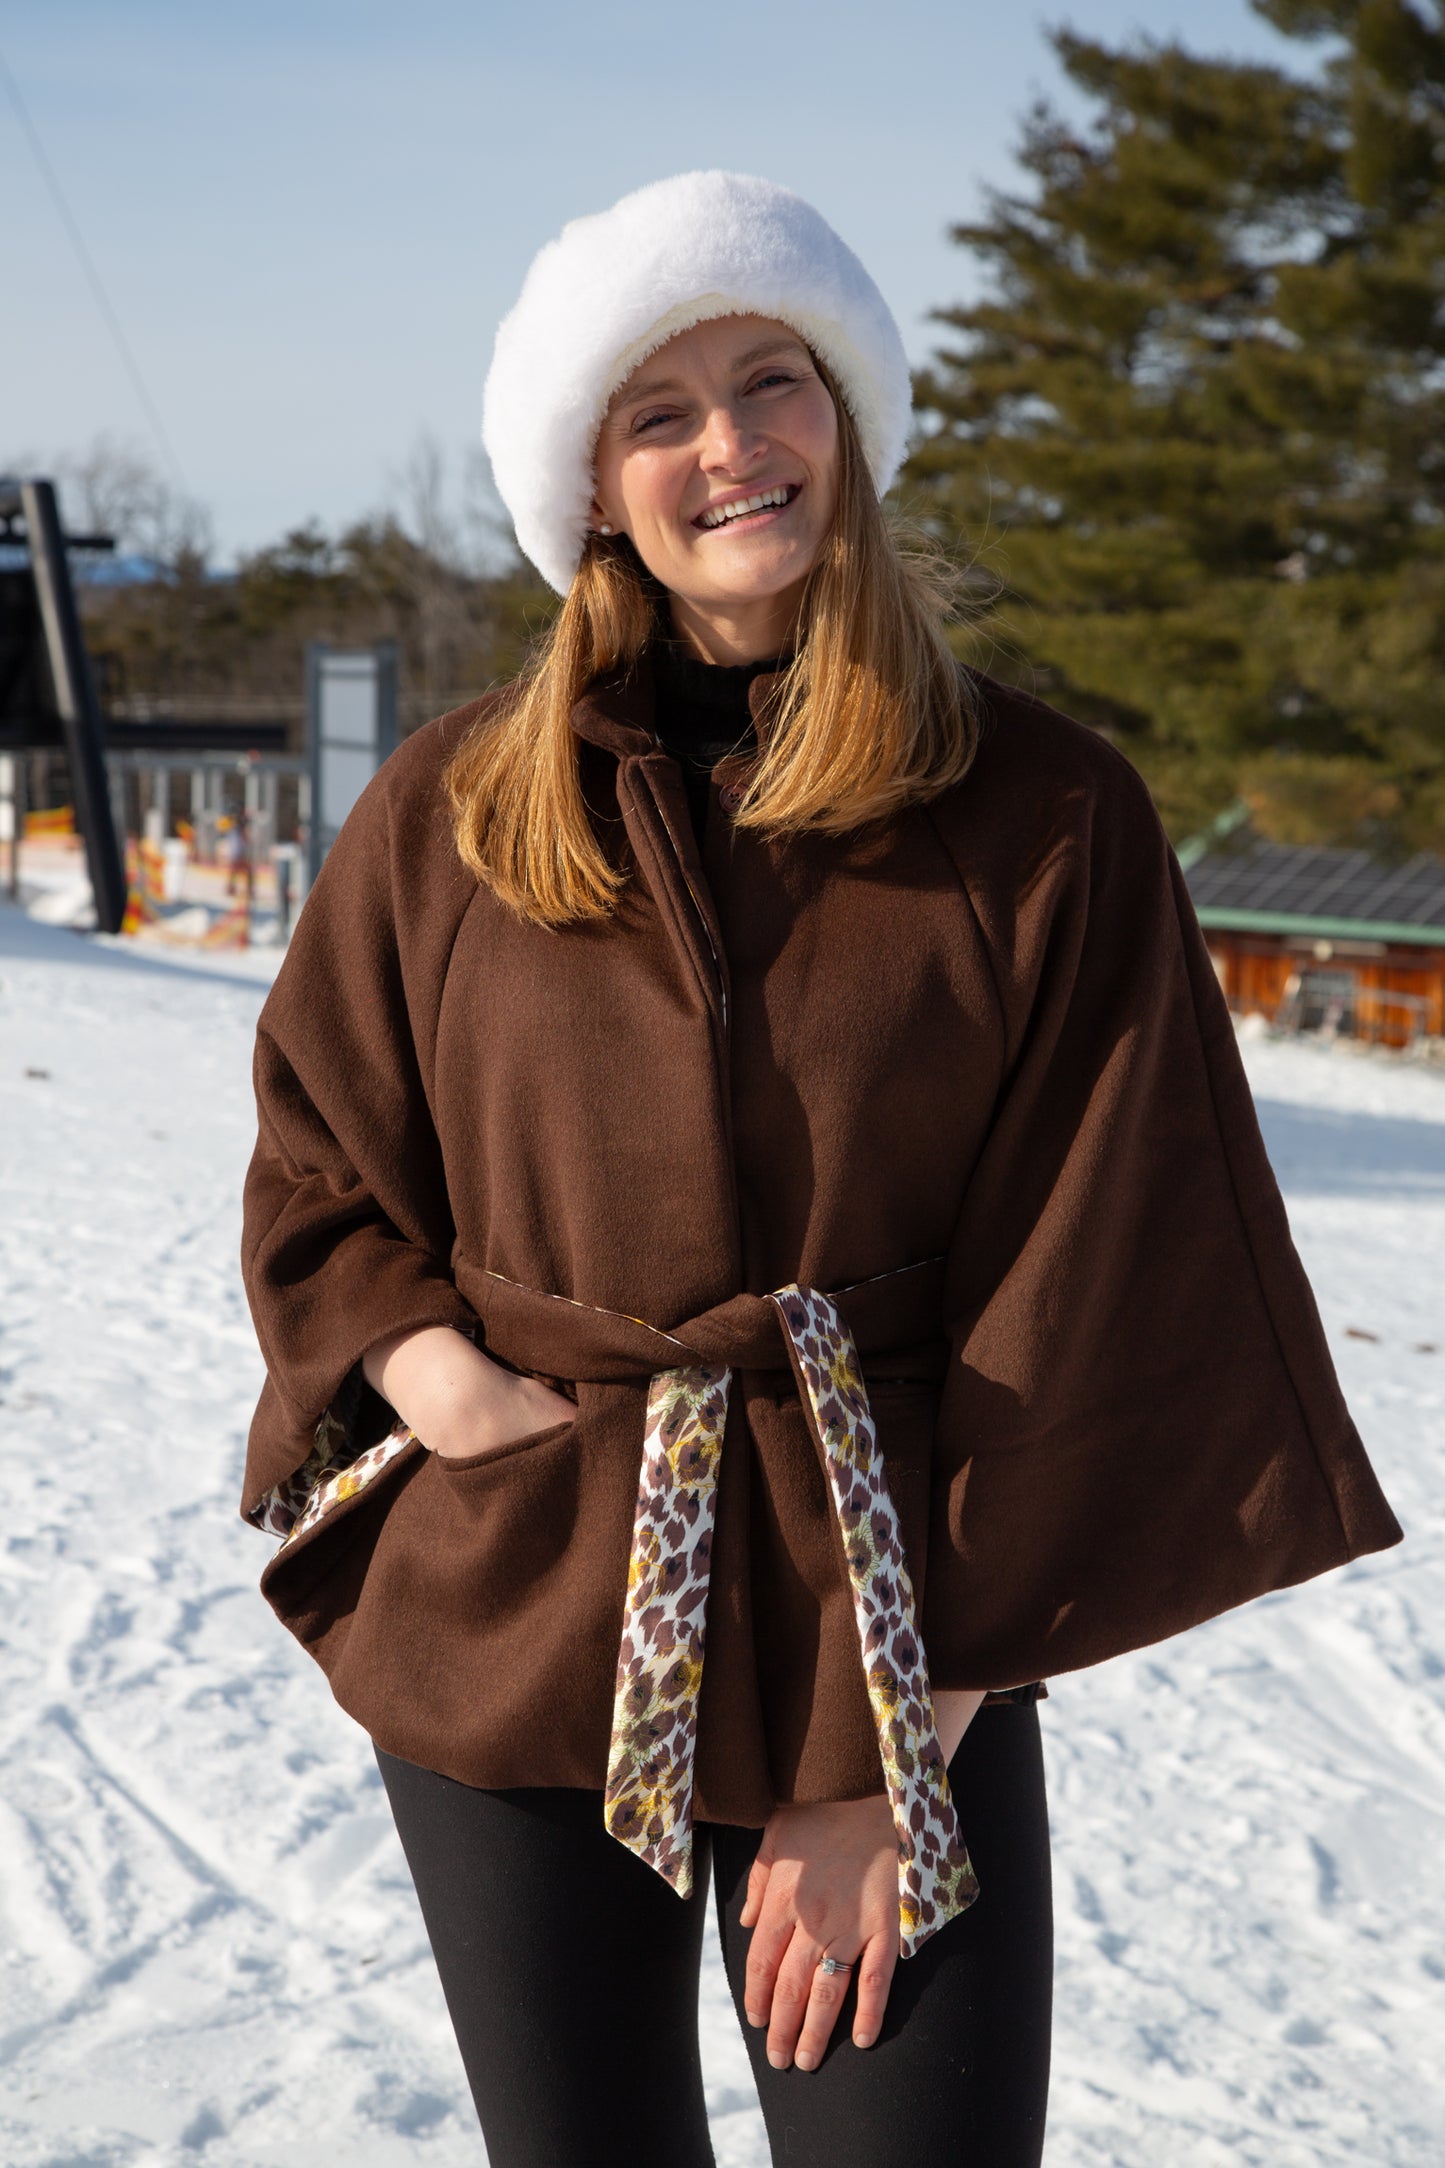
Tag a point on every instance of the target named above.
point(113, 488)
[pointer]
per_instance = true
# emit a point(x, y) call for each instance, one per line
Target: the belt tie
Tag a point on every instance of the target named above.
point(649, 1795)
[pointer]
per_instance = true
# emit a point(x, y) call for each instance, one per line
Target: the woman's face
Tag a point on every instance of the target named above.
point(728, 412)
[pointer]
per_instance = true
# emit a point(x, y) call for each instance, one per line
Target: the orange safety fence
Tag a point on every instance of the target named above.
point(231, 930)
point(145, 875)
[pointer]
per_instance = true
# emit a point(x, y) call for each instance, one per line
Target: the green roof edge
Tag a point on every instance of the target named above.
point(1224, 920)
point(1193, 848)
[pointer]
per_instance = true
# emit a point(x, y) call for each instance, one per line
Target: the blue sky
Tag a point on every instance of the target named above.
point(311, 216)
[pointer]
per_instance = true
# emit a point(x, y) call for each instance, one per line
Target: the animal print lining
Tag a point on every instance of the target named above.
point(335, 1469)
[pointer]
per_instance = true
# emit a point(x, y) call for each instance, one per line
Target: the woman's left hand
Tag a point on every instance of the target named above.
point(824, 1884)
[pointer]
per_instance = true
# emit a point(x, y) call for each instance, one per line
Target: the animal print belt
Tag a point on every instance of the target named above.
point(649, 1792)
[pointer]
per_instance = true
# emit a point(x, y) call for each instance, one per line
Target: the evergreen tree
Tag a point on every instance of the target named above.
point(1195, 425)
point(185, 636)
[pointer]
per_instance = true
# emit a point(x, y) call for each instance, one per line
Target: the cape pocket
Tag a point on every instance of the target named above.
point(465, 1464)
point(450, 1605)
point(330, 1510)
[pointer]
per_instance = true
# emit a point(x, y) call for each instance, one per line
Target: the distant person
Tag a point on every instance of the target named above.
point(236, 852)
point(750, 1138)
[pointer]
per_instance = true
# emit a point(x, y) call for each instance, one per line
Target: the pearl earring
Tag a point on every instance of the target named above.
point(604, 529)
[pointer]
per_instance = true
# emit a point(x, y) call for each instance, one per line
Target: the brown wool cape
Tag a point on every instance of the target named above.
point(971, 1064)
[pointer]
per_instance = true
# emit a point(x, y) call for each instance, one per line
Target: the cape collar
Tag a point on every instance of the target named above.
point(616, 712)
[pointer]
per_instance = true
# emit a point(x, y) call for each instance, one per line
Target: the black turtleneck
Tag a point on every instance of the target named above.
point(702, 714)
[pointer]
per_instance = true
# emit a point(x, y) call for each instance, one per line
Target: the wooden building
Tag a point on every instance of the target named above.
point(1322, 939)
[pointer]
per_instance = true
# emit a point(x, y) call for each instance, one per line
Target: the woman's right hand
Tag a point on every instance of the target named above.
point(457, 1400)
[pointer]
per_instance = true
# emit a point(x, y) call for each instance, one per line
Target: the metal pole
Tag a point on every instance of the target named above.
point(270, 797)
point(22, 800)
point(315, 649)
point(11, 818)
point(386, 699)
point(115, 779)
point(75, 701)
point(285, 856)
point(304, 828)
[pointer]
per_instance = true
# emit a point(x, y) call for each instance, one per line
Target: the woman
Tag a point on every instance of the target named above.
point(750, 1139)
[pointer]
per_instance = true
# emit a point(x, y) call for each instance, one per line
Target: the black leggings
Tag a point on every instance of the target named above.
point(571, 1974)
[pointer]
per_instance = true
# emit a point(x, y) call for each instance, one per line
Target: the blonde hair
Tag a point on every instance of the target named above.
point(874, 712)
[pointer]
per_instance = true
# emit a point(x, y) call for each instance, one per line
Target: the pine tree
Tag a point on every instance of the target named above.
point(1195, 427)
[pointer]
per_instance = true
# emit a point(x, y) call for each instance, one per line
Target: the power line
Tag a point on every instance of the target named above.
point(93, 278)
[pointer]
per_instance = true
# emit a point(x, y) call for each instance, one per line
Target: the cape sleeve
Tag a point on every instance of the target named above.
point(347, 1234)
point(1140, 1426)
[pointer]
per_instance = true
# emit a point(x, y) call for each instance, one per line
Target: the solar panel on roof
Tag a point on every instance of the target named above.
point(1317, 881)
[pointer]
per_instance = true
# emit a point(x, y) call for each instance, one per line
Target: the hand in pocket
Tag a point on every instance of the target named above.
point(457, 1400)
point(520, 1407)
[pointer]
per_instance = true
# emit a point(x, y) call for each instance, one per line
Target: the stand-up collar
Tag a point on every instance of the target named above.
point(618, 711)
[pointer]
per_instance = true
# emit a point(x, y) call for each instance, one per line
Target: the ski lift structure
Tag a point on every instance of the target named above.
point(48, 697)
point(50, 703)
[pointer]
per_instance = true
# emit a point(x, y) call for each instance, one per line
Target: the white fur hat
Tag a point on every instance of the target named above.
point(614, 287)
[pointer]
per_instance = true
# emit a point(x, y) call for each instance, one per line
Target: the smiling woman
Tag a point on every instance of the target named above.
point(719, 462)
point(761, 1246)
point(632, 484)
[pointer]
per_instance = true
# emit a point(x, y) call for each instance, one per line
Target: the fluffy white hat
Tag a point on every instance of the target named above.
point(613, 288)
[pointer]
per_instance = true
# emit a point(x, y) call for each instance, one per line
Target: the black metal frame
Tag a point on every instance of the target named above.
point(76, 707)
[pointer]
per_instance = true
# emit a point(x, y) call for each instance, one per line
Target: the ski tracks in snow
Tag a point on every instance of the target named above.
point(209, 1949)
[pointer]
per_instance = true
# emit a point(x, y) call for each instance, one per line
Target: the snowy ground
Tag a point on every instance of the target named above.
point(208, 1945)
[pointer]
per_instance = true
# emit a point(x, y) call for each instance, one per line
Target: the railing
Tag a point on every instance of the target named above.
point(1336, 1003)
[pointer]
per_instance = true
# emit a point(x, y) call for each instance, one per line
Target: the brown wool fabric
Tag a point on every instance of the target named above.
point(983, 1041)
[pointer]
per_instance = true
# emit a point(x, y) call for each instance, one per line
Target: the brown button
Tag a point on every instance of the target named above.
point(729, 798)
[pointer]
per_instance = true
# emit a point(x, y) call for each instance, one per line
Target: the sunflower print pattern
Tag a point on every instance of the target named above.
point(935, 1878)
point(647, 1804)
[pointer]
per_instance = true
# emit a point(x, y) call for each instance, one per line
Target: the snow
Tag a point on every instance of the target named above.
point(209, 1949)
